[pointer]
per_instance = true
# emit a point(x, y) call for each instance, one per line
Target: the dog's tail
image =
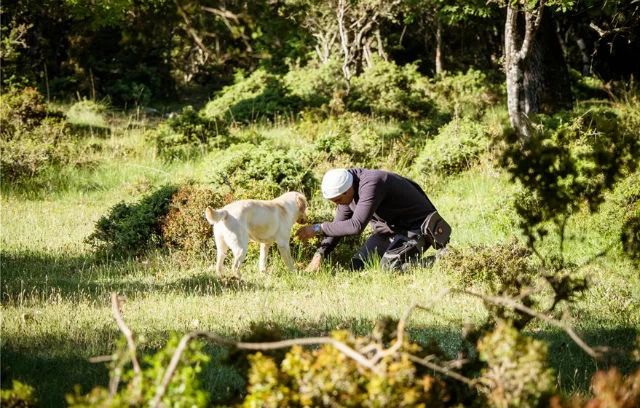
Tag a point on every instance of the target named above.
point(214, 216)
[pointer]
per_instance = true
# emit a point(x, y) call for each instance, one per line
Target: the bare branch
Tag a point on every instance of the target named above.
point(518, 306)
point(128, 334)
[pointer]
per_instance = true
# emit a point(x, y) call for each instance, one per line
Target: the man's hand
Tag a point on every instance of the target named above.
point(306, 232)
point(314, 265)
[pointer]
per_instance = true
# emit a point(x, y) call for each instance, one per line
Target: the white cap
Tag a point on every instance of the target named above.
point(336, 182)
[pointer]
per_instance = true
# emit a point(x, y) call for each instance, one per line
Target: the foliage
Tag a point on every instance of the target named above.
point(315, 84)
point(131, 228)
point(390, 90)
point(88, 117)
point(184, 389)
point(18, 396)
point(504, 269)
point(517, 374)
point(326, 377)
point(569, 164)
point(187, 135)
point(467, 94)
point(259, 172)
point(457, 147)
point(32, 139)
point(259, 96)
point(184, 226)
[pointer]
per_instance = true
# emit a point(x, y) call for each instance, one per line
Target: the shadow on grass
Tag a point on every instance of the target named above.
point(28, 274)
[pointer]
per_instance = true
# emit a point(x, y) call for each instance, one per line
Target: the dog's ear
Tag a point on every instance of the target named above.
point(209, 215)
point(302, 202)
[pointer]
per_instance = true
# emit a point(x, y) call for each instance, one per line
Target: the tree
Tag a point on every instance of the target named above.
point(524, 58)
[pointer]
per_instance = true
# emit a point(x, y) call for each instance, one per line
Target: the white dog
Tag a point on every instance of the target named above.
point(263, 221)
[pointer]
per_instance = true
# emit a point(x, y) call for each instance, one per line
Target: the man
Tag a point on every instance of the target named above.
point(395, 206)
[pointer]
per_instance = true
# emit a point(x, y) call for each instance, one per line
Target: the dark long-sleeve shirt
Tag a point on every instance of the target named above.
point(390, 202)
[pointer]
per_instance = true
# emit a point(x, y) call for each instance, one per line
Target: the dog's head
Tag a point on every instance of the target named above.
point(301, 200)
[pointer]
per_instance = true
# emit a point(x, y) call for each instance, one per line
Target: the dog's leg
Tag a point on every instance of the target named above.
point(264, 250)
point(285, 252)
point(221, 247)
point(238, 256)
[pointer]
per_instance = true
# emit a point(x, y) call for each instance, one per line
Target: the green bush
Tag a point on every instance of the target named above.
point(391, 91)
point(187, 135)
point(457, 147)
point(184, 227)
point(131, 228)
point(516, 374)
point(184, 389)
point(502, 270)
point(259, 172)
point(257, 97)
point(467, 95)
point(32, 139)
point(314, 84)
point(18, 396)
point(88, 117)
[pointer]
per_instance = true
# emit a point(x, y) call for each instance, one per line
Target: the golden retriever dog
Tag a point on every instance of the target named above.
point(263, 221)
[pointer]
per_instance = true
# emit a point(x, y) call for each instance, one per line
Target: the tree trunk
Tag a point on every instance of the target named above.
point(438, 46)
point(546, 83)
point(514, 72)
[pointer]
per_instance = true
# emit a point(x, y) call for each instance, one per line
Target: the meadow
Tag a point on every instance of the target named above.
point(56, 310)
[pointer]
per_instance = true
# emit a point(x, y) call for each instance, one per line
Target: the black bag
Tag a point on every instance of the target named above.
point(436, 230)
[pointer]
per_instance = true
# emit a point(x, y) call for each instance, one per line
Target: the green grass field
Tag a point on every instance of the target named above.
point(56, 310)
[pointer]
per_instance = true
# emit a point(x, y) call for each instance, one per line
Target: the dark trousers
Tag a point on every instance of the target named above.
point(394, 251)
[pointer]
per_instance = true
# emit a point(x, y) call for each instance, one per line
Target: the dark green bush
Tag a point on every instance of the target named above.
point(18, 396)
point(32, 139)
point(188, 135)
point(131, 228)
point(184, 227)
point(457, 147)
point(257, 97)
point(260, 172)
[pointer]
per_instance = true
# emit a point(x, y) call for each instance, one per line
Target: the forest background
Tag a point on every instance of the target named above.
point(121, 120)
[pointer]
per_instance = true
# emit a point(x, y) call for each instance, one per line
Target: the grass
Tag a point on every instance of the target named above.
point(55, 291)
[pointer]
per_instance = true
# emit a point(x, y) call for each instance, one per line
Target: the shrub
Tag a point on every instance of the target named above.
point(184, 389)
point(504, 270)
point(260, 172)
point(390, 91)
point(314, 84)
point(187, 135)
point(570, 163)
point(88, 117)
point(32, 139)
point(184, 227)
point(517, 374)
point(18, 396)
point(259, 96)
point(457, 147)
point(326, 377)
point(132, 228)
point(467, 95)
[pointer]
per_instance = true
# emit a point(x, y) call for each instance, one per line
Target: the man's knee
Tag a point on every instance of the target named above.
point(357, 264)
